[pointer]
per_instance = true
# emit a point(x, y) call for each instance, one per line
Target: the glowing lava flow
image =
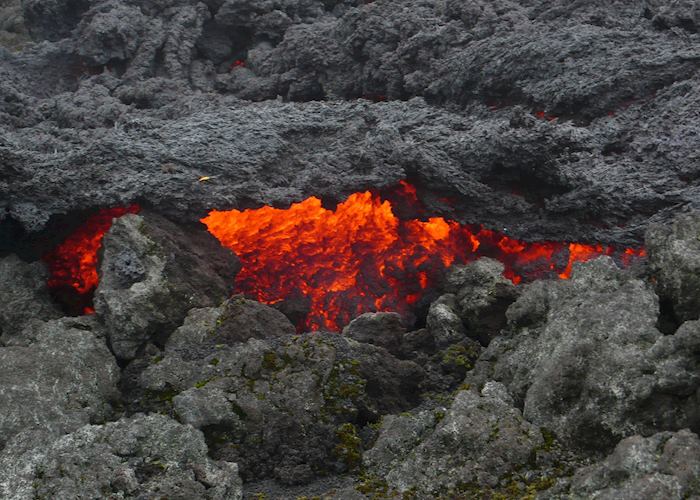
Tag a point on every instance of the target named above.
point(73, 264)
point(360, 257)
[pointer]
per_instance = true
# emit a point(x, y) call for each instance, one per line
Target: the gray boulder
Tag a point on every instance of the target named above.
point(476, 442)
point(482, 295)
point(139, 457)
point(444, 323)
point(23, 295)
point(384, 329)
point(235, 321)
point(663, 466)
point(64, 379)
point(674, 256)
point(153, 272)
point(584, 359)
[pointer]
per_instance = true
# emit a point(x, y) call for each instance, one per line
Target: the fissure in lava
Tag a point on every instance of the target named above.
point(73, 264)
point(361, 257)
point(340, 263)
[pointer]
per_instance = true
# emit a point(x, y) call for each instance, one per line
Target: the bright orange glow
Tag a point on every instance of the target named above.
point(360, 257)
point(73, 263)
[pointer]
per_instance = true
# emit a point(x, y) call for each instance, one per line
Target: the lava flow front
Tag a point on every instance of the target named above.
point(360, 257)
point(73, 264)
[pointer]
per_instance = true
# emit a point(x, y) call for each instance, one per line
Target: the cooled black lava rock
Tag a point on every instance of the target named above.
point(153, 272)
point(665, 465)
point(91, 120)
point(384, 329)
point(477, 441)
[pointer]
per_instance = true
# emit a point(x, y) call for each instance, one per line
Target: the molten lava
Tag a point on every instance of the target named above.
point(73, 264)
point(360, 257)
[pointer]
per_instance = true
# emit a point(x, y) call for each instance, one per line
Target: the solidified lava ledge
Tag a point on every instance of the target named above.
point(349, 249)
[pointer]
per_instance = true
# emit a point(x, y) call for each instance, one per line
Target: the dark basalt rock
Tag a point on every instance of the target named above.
point(384, 329)
point(153, 272)
point(90, 119)
point(481, 295)
point(478, 440)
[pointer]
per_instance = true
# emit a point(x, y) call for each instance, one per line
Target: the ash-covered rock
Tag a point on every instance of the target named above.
point(139, 457)
point(291, 407)
point(665, 465)
point(583, 358)
point(60, 378)
point(153, 272)
point(23, 296)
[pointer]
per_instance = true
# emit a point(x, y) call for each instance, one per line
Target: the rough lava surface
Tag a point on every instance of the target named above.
point(114, 102)
point(544, 119)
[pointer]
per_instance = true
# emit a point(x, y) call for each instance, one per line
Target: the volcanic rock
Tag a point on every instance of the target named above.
point(235, 321)
point(384, 329)
point(444, 323)
point(288, 408)
point(23, 296)
point(665, 465)
point(481, 296)
point(64, 379)
point(140, 457)
point(477, 441)
point(152, 273)
point(674, 255)
point(583, 358)
point(531, 118)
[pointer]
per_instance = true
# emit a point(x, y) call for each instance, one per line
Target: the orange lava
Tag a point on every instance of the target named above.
point(360, 257)
point(73, 264)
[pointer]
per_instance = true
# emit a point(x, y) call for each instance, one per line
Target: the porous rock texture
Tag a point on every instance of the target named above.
point(139, 457)
point(665, 465)
point(281, 406)
point(543, 119)
point(584, 359)
point(152, 273)
point(123, 101)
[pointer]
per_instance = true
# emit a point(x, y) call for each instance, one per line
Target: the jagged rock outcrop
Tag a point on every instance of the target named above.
point(145, 456)
point(674, 256)
point(665, 465)
point(151, 274)
point(288, 407)
point(583, 358)
point(476, 443)
point(90, 119)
